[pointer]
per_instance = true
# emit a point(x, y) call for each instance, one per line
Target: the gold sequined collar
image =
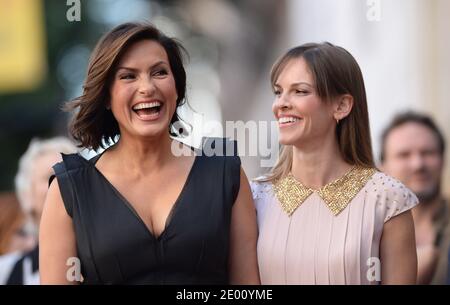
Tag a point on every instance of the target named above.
point(336, 195)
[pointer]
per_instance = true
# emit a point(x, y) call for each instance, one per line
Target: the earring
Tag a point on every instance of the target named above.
point(337, 121)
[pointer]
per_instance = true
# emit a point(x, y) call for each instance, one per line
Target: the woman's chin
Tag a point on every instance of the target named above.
point(150, 132)
point(284, 140)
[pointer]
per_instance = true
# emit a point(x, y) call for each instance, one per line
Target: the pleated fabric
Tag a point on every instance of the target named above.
point(313, 246)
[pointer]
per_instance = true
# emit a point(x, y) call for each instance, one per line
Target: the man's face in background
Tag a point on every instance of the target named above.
point(412, 156)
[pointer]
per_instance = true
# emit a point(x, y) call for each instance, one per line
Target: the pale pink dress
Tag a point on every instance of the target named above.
point(315, 247)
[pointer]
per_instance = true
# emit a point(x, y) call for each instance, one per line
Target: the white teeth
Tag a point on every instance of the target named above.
point(146, 105)
point(287, 120)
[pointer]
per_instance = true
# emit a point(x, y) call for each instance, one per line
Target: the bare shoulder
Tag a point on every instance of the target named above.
point(53, 190)
point(54, 211)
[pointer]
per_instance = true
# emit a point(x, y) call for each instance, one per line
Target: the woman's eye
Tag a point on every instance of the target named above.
point(126, 76)
point(277, 92)
point(161, 72)
point(303, 92)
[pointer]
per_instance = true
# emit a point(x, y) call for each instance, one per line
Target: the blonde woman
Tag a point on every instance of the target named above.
point(326, 215)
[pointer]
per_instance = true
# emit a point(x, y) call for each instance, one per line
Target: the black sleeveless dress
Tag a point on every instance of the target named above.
point(115, 246)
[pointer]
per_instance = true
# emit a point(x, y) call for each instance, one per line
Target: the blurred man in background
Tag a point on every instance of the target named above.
point(412, 151)
point(35, 169)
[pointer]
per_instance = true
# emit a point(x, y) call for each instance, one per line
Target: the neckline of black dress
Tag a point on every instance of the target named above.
point(124, 200)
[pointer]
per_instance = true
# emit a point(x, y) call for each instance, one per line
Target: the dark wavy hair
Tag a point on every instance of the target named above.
point(93, 125)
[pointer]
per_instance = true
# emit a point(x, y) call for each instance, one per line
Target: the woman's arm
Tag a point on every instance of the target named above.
point(56, 239)
point(243, 238)
point(398, 251)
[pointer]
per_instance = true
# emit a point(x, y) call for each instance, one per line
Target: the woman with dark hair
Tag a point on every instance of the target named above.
point(325, 214)
point(139, 213)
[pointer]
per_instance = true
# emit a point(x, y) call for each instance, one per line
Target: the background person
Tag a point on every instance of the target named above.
point(413, 150)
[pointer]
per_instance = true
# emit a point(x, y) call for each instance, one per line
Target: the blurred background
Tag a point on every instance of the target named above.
point(402, 46)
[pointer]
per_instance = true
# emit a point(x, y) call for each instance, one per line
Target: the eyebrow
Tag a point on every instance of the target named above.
point(135, 69)
point(295, 84)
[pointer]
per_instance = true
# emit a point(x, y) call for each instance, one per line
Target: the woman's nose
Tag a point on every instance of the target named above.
point(146, 86)
point(282, 103)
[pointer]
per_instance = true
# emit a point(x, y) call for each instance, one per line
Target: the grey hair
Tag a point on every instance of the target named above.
point(36, 149)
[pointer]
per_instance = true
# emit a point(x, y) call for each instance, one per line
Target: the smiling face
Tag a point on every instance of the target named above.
point(302, 115)
point(143, 92)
